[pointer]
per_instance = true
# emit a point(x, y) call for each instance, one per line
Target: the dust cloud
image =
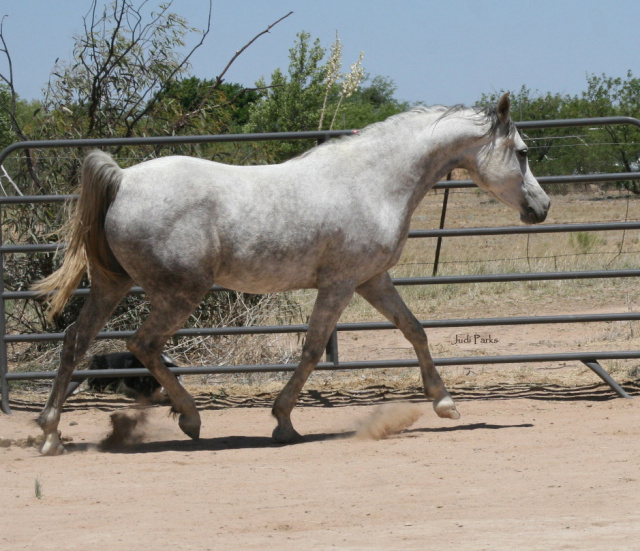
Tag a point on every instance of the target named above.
point(127, 428)
point(387, 420)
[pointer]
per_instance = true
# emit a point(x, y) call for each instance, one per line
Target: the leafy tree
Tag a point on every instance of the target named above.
point(291, 102)
point(316, 95)
point(6, 129)
point(227, 102)
point(373, 102)
point(551, 151)
point(618, 145)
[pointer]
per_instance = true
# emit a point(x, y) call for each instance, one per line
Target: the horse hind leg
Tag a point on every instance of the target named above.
point(104, 297)
point(382, 295)
point(329, 305)
point(168, 313)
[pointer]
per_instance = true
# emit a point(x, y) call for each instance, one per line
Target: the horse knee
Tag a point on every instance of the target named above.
point(414, 332)
point(312, 354)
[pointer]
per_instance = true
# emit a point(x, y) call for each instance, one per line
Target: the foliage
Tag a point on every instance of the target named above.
point(6, 129)
point(581, 150)
point(619, 145)
point(195, 94)
point(583, 241)
point(119, 68)
point(315, 94)
point(126, 78)
point(373, 103)
point(291, 103)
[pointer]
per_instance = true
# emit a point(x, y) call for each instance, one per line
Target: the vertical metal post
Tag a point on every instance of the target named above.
point(445, 200)
point(332, 349)
point(4, 364)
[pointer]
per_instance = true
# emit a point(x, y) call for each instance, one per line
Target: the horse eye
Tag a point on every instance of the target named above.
point(522, 153)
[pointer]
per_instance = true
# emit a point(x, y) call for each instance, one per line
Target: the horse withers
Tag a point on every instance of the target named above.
point(335, 219)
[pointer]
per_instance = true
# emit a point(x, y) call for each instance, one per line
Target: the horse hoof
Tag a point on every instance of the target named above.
point(446, 408)
point(286, 436)
point(52, 446)
point(190, 425)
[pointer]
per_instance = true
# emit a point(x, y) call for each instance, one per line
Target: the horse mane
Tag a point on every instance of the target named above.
point(480, 115)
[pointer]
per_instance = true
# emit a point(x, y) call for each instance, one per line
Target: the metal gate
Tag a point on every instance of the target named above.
point(590, 359)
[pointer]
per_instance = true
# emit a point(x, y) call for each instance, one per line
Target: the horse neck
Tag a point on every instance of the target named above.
point(413, 157)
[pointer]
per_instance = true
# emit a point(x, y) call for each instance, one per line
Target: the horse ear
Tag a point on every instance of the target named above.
point(504, 108)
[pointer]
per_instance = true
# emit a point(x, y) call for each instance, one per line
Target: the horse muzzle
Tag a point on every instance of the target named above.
point(534, 212)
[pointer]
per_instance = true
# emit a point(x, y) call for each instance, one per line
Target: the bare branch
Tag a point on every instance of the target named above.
point(133, 120)
point(6, 175)
point(12, 109)
point(181, 123)
point(220, 77)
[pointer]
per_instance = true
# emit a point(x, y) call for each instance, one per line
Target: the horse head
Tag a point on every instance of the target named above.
point(498, 163)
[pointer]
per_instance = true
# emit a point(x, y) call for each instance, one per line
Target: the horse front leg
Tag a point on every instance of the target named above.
point(329, 305)
point(382, 295)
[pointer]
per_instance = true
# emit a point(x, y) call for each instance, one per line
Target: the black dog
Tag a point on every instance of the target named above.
point(140, 386)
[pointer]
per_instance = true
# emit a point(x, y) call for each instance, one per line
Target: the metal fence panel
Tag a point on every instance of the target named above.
point(589, 358)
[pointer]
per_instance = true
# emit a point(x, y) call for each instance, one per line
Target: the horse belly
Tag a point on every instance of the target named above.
point(266, 276)
point(275, 269)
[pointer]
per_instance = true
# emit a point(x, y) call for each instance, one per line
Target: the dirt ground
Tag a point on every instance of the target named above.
point(527, 467)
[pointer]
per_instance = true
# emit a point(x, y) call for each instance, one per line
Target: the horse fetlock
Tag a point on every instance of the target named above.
point(445, 407)
point(48, 421)
point(190, 424)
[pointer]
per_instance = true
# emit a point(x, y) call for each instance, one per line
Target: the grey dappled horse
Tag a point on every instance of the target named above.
point(335, 219)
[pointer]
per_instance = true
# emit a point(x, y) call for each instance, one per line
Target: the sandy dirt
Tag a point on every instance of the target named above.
point(525, 468)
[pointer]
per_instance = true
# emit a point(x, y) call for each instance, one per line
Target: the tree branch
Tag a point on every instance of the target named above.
point(12, 109)
point(219, 79)
point(181, 123)
point(131, 121)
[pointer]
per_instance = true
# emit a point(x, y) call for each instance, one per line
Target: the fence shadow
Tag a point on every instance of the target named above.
point(372, 395)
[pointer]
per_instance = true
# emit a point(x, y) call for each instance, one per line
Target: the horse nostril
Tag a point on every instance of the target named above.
point(532, 216)
point(536, 216)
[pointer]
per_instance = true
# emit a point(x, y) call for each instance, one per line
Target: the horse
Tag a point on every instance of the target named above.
point(335, 219)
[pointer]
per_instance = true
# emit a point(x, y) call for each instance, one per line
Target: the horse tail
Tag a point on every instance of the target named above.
point(87, 247)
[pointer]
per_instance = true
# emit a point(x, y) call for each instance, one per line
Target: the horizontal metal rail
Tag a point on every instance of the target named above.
point(429, 280)
point(549, 180)
point(527, 276)
point(321, 135)
point(567, 123)
point(514, 230)
point(330, 366)
point(451, 232)
point(269, 136)
point(347, 327)
point(451, 184)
